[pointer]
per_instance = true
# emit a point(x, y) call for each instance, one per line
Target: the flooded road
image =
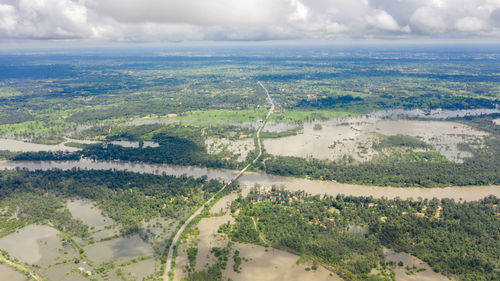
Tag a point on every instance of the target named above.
point(249, 179)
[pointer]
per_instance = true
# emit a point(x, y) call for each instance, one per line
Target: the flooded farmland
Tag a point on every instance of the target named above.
point(354, 137)
point(412, 269)
point(22, 146)
point(269, 264)
point(239, 148)
point(8, 273)
point(259, 263)
point(34, 244)
point(43, 246)
point(119, 249)
point(100, 226)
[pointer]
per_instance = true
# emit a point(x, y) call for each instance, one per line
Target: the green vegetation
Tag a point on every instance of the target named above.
point(425, 169)
point(456, 239)
point(400, 140)
point(179, 102)
point(317, 127)
point(45, 96)
point(128, 198)
point(191, 253)
point(213, 272)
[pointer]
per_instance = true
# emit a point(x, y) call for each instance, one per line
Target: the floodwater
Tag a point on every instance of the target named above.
point(135, 144)
point(10, 274)
point(89, 214)
point(314, 187)
point(427, 275)
point(34, 244)
point(158, 230)
point(224, 204)
point(209, 238)
point(434, 113)
point(271, 126)
point(273, 265)
point(467, 193)
point(261, 265)
point(22, 146)
point(100, 226)
point(140, 270)
point(119, 248)
point(355, 136)
point(238, 147)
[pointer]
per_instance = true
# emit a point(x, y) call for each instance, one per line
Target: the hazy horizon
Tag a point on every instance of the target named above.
point(90, 23)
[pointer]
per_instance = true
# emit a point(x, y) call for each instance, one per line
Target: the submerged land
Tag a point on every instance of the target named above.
point(320, 163)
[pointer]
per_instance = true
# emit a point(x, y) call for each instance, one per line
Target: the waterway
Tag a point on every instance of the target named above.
point(249, 179)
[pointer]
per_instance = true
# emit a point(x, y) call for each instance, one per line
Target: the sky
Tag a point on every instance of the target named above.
point(155, 21)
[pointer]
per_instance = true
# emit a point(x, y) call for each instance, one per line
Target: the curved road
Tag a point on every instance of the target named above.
point(188, 221)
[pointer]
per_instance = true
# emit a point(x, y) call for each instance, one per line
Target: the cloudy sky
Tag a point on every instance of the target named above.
point(246, 20)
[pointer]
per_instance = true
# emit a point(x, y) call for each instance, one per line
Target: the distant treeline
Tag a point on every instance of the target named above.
point(387, 101)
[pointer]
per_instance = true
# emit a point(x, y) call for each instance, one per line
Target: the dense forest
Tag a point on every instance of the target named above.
point(425, 101)
point(458, 239)
point(126, 197)
point(483, 171)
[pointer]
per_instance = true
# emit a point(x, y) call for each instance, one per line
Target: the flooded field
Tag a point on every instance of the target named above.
point(434, 113)
point(209, 238)
point(135, 144)
point(238, 147)
point(34, 244)
point(413, 269)
point(273, 265)
point(8, 273)
point(158, 230)
point(100, 226)
point(88, 213)
point(224, 204)
point(119, 249)
point(140, 270)
point(249, 179)
point(258, 264)
point(355, 137)
point(42, 245)
point(271, 126)
point(22, 146)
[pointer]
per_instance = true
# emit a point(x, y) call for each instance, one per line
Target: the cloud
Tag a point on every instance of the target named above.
point(382, 20)
point(185, 20)
point(470, 24)
point(427, 20)
point(8, 18)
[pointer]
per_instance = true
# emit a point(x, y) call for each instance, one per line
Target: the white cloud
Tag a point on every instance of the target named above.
point(8, 18)
point(382, 20)
point(178, 20)
point(469, 24)
point(427, 20)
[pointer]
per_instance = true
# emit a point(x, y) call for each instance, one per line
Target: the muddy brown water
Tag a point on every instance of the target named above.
point(402, 274)
point(249, 179)
point(355, 137)
point(10, 274)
